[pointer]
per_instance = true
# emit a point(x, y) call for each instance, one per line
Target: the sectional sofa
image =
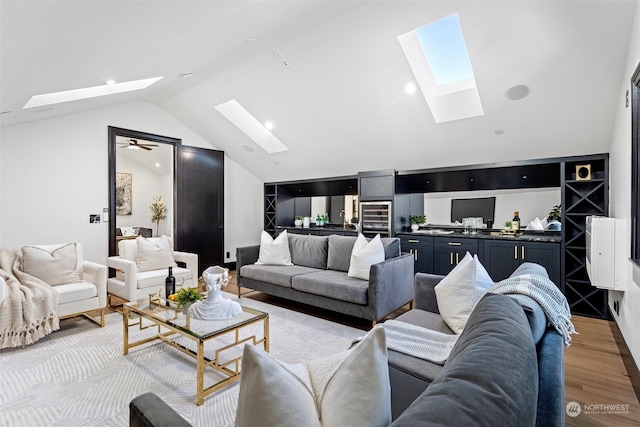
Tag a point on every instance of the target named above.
point(319, 276)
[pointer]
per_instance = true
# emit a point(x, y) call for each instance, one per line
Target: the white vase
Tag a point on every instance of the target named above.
point(297, 222)
point(415, 227)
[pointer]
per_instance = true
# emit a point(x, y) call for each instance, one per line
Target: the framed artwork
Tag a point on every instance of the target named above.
point(123, 193)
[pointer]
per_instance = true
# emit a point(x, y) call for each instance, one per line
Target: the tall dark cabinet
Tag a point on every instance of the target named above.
point(200, 205)
point(585, 192)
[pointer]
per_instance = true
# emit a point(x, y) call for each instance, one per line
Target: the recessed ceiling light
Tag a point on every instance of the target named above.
point(498, 131)
point(410, 88)
point(268, 125)
point(88, 92)
point(517, 92)
point(157, 165)
point(243, 120)
point(110, 82)
point(247, 148)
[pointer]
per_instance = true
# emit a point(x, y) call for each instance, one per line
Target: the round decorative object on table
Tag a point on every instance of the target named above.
point(215, 307)
point(415, 227)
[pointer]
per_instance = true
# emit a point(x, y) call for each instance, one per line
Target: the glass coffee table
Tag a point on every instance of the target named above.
point(171, 323)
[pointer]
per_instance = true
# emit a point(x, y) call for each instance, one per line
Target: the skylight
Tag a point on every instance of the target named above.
point(88, 92)
point(243, 120)
point(438, 57)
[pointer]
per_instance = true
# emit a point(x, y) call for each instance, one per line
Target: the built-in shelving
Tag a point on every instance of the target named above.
point(582, 198)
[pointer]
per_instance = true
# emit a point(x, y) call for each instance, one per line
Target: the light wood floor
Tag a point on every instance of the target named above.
point(597, 364)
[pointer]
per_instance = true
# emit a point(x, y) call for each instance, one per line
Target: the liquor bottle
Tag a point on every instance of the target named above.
point(515, 222)
point(169, 285)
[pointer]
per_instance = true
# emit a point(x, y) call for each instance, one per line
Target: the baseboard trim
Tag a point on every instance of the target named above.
point(627, 359)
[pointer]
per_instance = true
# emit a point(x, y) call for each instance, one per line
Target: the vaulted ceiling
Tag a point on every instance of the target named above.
point(340, 106)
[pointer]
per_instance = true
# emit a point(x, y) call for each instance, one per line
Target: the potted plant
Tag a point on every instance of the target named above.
point(185, 297)
point(554, 218)
point(415, 221)
point(297, 221)
point(158, 211)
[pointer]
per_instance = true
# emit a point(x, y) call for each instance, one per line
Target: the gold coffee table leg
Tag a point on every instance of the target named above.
point(200, 368)
point(125, 320)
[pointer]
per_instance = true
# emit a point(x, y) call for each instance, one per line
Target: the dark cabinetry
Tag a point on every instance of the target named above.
point(422, 250)
point(448, 252)
point(378, 185)
point(502, 257)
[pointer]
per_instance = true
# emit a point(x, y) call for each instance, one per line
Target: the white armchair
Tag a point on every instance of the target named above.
point(133, 282)
point(76, 297)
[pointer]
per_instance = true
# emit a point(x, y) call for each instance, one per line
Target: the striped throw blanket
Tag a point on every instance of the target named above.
point(418, 342)
point(28, 312)
point(546, 294)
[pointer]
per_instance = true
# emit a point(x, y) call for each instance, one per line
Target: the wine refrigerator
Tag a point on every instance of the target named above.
point(375, 218)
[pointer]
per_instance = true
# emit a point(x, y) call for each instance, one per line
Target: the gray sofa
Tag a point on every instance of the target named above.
point(319, 276)
point(507, 367)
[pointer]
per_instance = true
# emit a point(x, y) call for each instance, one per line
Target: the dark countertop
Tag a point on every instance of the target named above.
point(531, 236)
point(336, 228)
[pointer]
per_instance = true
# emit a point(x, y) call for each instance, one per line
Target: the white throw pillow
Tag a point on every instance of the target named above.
point(154, 253)
point(274, 252)
point(53, 266)
point(458, 293)
point(347, 389)
point(364, 255)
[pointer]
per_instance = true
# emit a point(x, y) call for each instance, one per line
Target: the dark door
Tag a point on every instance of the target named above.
point(545, 254)
point(200, 205)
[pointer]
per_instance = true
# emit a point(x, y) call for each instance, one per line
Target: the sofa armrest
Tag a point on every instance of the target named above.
point(148, 410)
point(191, 261)
point(390, 284)
point(424, 294)
point(98, 274)
point(551, 404)
point(246, 255)
point(130, 271)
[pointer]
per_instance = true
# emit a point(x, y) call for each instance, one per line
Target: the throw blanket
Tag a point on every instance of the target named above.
point(546, 294)
point(418, 342)
point(28, 312)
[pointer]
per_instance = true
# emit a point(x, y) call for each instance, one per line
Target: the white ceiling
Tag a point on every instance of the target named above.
point(340, 106)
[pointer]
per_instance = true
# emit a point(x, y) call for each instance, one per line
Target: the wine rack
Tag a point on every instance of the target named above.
point(582, 198)
point(270, 209)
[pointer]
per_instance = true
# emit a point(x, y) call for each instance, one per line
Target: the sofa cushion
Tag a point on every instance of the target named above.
point(530, 268)
point(333, 284)
point(535, 315)
point(364, 255)
point(327, 391)
point(53, 265)
point(70, 292)
point(154, 254)
point(309, 251)
point(419, 368)
point(494, 361)
point(340, 248)
point(460, 290)
point(274, 251)
point(275, 274)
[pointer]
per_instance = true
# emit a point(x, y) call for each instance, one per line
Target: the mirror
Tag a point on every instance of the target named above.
point(333, 206)
point(141, 173)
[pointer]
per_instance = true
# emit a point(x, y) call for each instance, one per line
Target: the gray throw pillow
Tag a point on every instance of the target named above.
point(340, 248)
point(309, 251)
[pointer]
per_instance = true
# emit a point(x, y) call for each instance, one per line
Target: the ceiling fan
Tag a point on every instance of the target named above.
point(134, 145)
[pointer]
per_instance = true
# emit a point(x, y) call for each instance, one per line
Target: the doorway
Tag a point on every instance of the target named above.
point(142, 171)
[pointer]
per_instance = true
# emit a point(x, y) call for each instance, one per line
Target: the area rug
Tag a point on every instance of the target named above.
point(78, 375)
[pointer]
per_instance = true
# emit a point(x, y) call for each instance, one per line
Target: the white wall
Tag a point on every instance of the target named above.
point(530, 203)
point(620, 203)
point(53, 174)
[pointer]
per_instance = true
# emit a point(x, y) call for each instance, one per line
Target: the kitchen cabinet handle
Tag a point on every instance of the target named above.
point(451, 258)
point(454, 243)
point(523, 252)
point(457, 258)
point(515, 252)
point(413, 241)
